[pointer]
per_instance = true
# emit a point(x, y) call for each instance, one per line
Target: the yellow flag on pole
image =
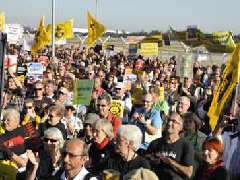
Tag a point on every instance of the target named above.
point(62, 30)
point(229, 80)
point(95, 30)
point(41, 38)
point(2, 21)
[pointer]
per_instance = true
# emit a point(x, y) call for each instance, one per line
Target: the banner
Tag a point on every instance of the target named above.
point(149, 49)
point(2, 21)
point(35, 72)
point(41, 38)
point(14, 33)
point(116, 108)
point(28, 42)
point(95, 30)
point(11, 63)
point(157, 38)
point(229, 80)
point(62, 31)
point(83, 91)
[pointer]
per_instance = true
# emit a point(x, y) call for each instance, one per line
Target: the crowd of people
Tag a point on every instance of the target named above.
point(167, 136)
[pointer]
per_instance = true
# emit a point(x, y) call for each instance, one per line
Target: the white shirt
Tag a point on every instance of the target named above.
point(80, 176)
point(76, 124)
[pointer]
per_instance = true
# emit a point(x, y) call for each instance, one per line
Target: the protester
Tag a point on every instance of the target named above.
point(171, 156)
point(148, 120)
point(213, 167)
point(48, 162)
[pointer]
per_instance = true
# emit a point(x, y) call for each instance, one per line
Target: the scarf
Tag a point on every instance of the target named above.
point(208, 170)
point(103, 143)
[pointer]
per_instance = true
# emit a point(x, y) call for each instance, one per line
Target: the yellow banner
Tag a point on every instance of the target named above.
point(2, 21)
point(95, 30)
point(41, 38)
point(62, 31)
point(149, 49)
point(229, 79)
point(161, 93)
point(116, 108)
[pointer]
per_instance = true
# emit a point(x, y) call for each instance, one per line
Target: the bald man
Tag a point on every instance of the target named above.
point(172, 156)
point(75, 156)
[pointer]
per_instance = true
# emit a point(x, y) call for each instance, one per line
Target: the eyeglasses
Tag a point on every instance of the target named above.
point(146, 101)
point(70, 155)
point(118, 89)
point(38, 89)
point(28, 107)
point(48, 139)
point(101, 105)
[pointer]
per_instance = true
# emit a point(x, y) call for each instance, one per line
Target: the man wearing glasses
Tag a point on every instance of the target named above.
point(75, 156)
point(148, 120)
point(172, 156)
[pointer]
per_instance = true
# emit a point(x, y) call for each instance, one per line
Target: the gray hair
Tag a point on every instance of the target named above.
point(185, 99)
point(12, 112)
point(106, 126)
point(56, 134)
point(131, 133)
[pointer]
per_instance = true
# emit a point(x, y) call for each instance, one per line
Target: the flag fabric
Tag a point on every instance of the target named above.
point(229, 80)
point(95, 30)
point(40, 39)
point(2, 21)
point(62, 30)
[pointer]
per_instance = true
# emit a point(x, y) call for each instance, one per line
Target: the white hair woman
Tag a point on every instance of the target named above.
point(12, 146)
point(47, 163)
point(129, 139)
point(103, 145)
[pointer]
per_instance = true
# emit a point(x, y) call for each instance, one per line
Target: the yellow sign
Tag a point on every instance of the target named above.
point(149, 49)
point(161, 93)
point(116, 108)
point(137, 95)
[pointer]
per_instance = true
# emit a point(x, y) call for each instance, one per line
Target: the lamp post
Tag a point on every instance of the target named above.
point(53, 28)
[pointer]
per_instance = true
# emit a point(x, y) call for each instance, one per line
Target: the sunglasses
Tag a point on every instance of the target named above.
point(38, 89)
point(28, 107)
point(48, 139)
point(101, 105)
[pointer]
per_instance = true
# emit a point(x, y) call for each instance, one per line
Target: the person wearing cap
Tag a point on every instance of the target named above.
point(125, 99)
point(140, 174)
point(62, 98)
point(72, 123)
point(191, 132)
point(86, 134)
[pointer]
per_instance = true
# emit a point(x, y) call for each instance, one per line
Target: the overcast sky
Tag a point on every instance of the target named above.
point(131, 15)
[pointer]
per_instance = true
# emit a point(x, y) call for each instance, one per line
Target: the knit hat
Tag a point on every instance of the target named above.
point(140, 174)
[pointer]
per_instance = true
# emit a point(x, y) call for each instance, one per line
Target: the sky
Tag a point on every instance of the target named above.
point(130, 15)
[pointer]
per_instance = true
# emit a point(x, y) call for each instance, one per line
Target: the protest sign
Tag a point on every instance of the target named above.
point(11, 63)
point(137, 95)
point(161, 93)
point(116, 108)
point(35, 72)
point(185, 66)
point(14, 33)
point(83, 91)
point(149, 49)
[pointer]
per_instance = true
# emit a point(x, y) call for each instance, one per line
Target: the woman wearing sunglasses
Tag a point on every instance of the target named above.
point(47, 163)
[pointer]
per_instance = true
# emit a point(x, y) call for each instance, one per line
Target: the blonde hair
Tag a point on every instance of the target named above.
point(106, 126)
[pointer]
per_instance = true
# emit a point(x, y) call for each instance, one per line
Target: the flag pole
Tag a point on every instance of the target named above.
point(53, 28)
point(96, 9)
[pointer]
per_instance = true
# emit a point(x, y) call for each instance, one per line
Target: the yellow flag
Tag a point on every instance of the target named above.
point(41, 38)
point(95, 30)
point(229, 79)
point(2, 21)
point(62, 30)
